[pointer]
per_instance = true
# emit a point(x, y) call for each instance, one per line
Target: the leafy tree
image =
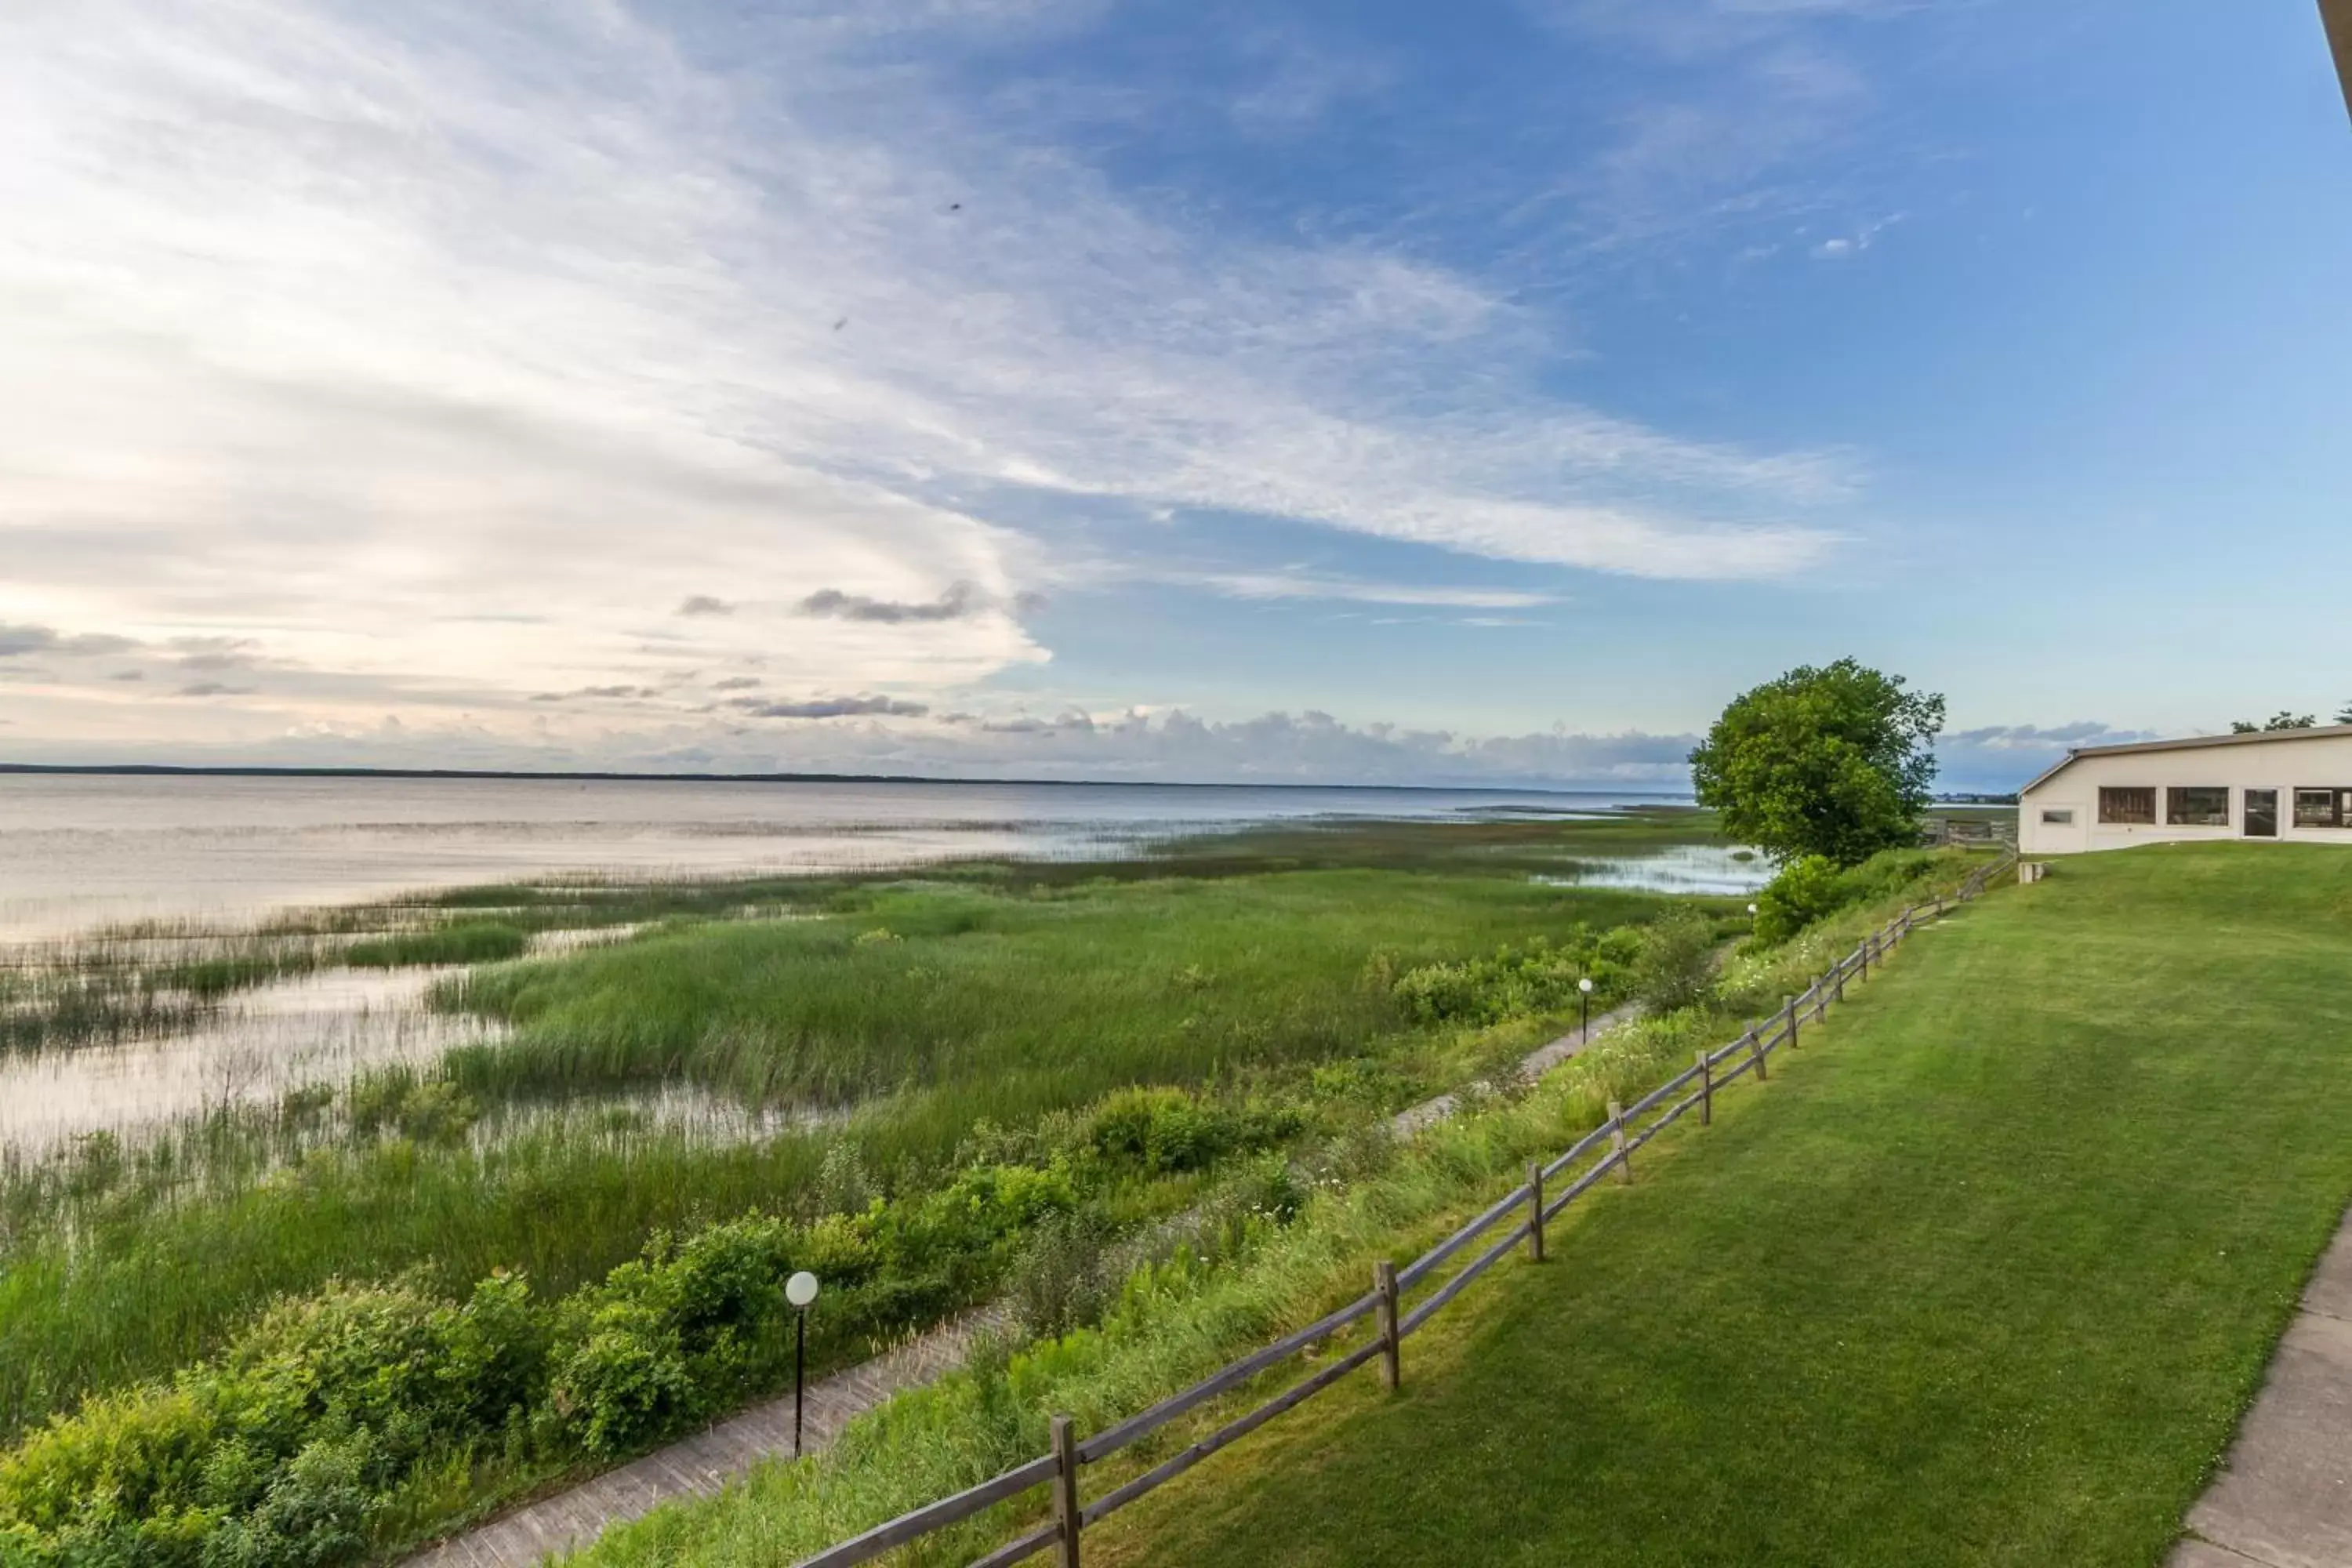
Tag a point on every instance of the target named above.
point(1833, 761)
point(2282, 720)
point(2343, 714)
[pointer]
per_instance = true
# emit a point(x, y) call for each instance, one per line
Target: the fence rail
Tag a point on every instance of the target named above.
point(1521, 1213)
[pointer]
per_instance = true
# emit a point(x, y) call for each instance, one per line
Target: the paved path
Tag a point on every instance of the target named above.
point(1533, 1065)
point(700, 1465)
point(703, 1463)
point(2284, 1498)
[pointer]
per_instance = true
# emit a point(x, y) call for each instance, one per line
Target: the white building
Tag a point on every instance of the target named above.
point(2279, 785)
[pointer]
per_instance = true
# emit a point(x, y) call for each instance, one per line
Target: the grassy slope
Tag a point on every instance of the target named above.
point(1984, 1277)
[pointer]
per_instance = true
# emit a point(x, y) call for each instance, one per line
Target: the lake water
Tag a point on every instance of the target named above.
point(79, 851)
point(83, 852)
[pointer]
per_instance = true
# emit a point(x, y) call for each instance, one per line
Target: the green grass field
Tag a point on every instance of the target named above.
point(1985, 1275)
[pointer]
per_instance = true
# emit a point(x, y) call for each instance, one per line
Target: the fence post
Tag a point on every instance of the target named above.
point(1756, 1051)
point(1837, 976)
point(1789, 1014)
point(1706, 1089)
point(1066, 1489)
point(1384, 1286)
point(1617, 1144)
point(1535, 1211)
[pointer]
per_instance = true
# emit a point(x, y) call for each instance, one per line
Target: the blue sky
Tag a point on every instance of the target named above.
point(1046, 387)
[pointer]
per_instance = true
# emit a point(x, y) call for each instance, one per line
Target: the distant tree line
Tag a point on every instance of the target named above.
point(2287, 719)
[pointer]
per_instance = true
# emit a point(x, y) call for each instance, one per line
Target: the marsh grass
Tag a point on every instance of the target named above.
point(965, 1002)
point(904, 1016)
point(987, 1005)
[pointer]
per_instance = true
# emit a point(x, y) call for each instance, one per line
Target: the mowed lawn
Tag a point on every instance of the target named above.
point(1984, 1274)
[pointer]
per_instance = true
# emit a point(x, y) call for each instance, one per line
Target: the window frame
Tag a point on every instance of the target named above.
point(2057, 816)
point(2216, 814)
point(2340, 805)
point(2110, 805)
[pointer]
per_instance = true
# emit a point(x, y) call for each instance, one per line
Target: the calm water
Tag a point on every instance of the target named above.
point(1694, 869)
point(79, 851)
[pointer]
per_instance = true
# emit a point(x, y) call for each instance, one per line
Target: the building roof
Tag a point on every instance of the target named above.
point(2191, 744)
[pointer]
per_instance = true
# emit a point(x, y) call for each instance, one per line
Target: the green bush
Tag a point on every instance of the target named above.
point(1676, 968)
point(1813, 886)
point(1519, 982)
point(1166, 1131)
point(1806, 889)
point(324, 1414)
point(1061, 1281)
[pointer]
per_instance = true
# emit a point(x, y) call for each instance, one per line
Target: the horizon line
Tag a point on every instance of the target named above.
point(262, 770)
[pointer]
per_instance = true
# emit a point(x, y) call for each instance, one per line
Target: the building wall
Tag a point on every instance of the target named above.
point(2285, 765)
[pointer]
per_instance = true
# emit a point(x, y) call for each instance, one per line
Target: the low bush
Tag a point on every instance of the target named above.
point(1675, 966)
point(1813, 886)
point(1166, 1131)
point(1517, 981)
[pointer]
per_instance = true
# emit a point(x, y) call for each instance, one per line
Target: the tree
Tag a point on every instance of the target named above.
point(2343, 714)
point(2282, 720)
point(1833, 761)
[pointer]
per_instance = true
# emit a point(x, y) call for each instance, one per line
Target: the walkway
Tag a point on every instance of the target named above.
point(2284, 1498)
point(700, 1465)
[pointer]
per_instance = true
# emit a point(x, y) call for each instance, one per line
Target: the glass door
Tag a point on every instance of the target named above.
point(2262, 814)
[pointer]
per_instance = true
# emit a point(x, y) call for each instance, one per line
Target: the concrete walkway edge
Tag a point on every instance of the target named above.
point(2284, 1498)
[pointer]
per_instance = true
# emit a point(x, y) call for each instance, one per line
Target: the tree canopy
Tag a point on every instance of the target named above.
point(2284, 719)
point(1834, 761)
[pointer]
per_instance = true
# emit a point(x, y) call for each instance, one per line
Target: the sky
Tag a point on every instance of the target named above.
point(1370, 392)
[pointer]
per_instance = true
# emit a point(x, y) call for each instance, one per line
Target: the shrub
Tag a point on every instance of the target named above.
point(1517, 981)
point(1807, 889)
point(1676, 965)
point(1812, 887)
point(1061, 1281)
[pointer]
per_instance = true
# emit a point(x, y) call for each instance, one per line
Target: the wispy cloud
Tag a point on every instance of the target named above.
point(821, 335)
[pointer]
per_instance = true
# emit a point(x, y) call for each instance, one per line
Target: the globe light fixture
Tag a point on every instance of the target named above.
point(799, 1290)
point(1584, 1007)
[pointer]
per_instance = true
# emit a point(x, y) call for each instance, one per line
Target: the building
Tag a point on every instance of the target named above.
point(2278, 784)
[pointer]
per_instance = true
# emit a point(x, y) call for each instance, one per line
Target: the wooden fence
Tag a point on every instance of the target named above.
point(1518, 1216)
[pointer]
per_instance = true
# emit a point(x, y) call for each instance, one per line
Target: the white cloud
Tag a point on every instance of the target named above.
point(448, 353)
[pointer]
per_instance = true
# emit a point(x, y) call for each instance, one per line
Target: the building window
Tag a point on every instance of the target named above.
point(2128, 806)
point(2059, 816)
point(2198, 805)
point(2323, 808)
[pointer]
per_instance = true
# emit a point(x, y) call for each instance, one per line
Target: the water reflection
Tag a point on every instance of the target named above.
point(1694, 869)
point(320, 1028)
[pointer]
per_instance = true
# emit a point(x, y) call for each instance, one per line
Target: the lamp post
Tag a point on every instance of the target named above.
point(799, 1290)
point(1584, 1009)
point(1751, 914)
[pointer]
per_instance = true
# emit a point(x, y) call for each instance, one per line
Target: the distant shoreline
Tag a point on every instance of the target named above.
point(164, 769)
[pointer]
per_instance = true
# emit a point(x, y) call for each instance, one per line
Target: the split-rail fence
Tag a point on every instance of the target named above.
point(1520, 1213)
